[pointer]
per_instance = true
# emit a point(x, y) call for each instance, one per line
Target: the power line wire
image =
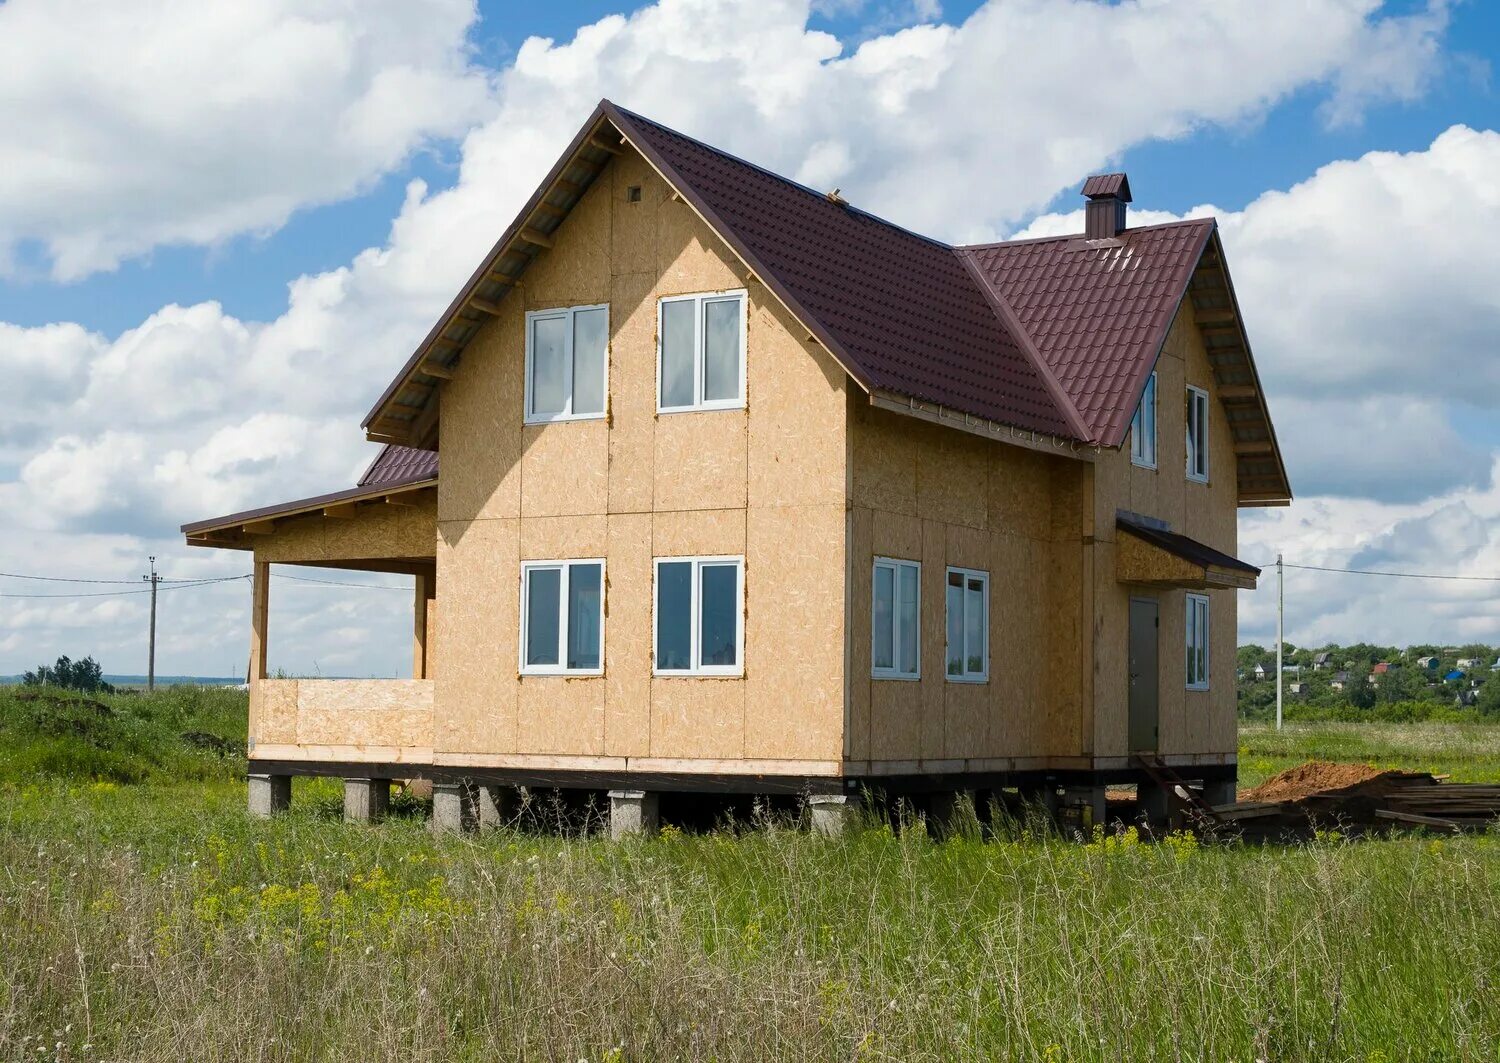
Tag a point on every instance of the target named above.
point(338, 583)
point(1399, 575)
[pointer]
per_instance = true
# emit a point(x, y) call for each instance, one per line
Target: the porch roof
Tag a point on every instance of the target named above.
point(1155, 555)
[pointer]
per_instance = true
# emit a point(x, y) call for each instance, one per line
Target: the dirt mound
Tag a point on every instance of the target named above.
point(1320, 777)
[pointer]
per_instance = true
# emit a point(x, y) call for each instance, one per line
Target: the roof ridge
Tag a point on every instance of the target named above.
point(1028, 346)
point(783, 178)
point(1081, 236)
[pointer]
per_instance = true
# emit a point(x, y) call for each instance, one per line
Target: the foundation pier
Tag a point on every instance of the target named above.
point(454, 807)
point(1084, 804)
point(269, 794)
point(633, 812)
point(366, 800)
point(1154, 803)
point(831, 814)
point(496, 806)
point(1220, 792)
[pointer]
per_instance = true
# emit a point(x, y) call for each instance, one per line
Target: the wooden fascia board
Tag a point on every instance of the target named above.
point(1004, 433)
point(236, 522)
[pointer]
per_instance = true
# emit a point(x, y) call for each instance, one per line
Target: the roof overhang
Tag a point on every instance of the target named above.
point(1260, 473)
point(239, 531)
point(407, 412)
point(1157, 557)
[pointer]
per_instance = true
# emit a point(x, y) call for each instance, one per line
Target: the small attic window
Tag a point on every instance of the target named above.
point(633, 194)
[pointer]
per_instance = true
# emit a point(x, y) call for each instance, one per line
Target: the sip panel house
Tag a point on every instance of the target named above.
point(745, 489)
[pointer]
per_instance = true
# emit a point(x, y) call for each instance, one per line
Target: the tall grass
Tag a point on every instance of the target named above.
point(159, 923)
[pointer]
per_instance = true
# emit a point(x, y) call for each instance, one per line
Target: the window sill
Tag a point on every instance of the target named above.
point(561, 673)
point(1143, 464)
point(1197, 688)
point(561, 417)
point(738, 404)
point(675, 674)
point(971, 680)
point(897, 676)
point(1197, 479)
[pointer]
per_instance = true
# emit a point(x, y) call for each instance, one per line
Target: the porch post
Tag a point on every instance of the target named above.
point(419, 627)
point(259, 612)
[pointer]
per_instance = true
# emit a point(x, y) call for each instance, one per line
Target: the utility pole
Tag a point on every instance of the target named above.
point(1281, 609)
point(151, 660)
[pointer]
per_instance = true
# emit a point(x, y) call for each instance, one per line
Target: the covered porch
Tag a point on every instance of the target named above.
point(380, 725)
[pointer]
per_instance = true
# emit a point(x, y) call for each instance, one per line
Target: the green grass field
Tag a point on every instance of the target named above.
point(152, 920)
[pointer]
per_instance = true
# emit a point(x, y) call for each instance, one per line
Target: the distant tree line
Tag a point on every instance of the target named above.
point(1366, 681)
point(84, 675)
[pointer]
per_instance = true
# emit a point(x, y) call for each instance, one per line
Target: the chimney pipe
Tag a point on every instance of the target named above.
point(1104, 214)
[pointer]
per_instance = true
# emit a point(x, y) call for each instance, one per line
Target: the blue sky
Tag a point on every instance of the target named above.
point(171, 251)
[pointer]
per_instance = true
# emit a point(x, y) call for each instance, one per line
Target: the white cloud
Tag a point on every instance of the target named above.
point(128, 126)
point(194, 412)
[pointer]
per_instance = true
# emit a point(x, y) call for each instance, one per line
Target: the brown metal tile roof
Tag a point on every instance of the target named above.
point(1098, 311)
point(397, 464)
point(1107, 184)
point(901, 312)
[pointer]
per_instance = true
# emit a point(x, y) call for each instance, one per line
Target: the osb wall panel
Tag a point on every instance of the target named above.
point(1190, 721)
point(275, 711)
point(364, 712)
point(797, 659)
point(929, 493)
point(627, 645)
point(376, 531)
point(638, 485)
point(561, 715)
point(476, 635)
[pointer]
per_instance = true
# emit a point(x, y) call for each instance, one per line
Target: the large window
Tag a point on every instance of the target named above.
point(968, 625)
point(896, 645)
point(567, 363)
point(562, 617)
point(701, 352)
point(1143, 427)
point(698, 615)
point(1197, 434)
point(1197, 642)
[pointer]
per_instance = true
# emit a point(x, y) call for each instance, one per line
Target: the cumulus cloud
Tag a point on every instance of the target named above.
point(194, 412)
point(128, 126)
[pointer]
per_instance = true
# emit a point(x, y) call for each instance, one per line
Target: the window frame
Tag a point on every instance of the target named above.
point(983, 676)
point(701, 300)
point(896, 564)
point(1139, 455)
point(697, 668)
point(568, 313)
point(1196, 603)
point(1197, 406)
point(564, 565)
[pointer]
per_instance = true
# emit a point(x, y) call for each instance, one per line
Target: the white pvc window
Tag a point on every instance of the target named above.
point(699, 616)
point(567, 363)
point(700, 362)
point(968, 654)
point(895, 651)
point(1197, 434)
point(1197, 642)
point(1143, 428)
point(562, 617)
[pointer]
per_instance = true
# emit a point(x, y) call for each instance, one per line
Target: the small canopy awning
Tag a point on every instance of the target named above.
point(1161, 558)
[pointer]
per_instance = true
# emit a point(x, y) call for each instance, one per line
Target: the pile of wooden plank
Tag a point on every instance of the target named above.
point(1443, 804)
point(1296, 800)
